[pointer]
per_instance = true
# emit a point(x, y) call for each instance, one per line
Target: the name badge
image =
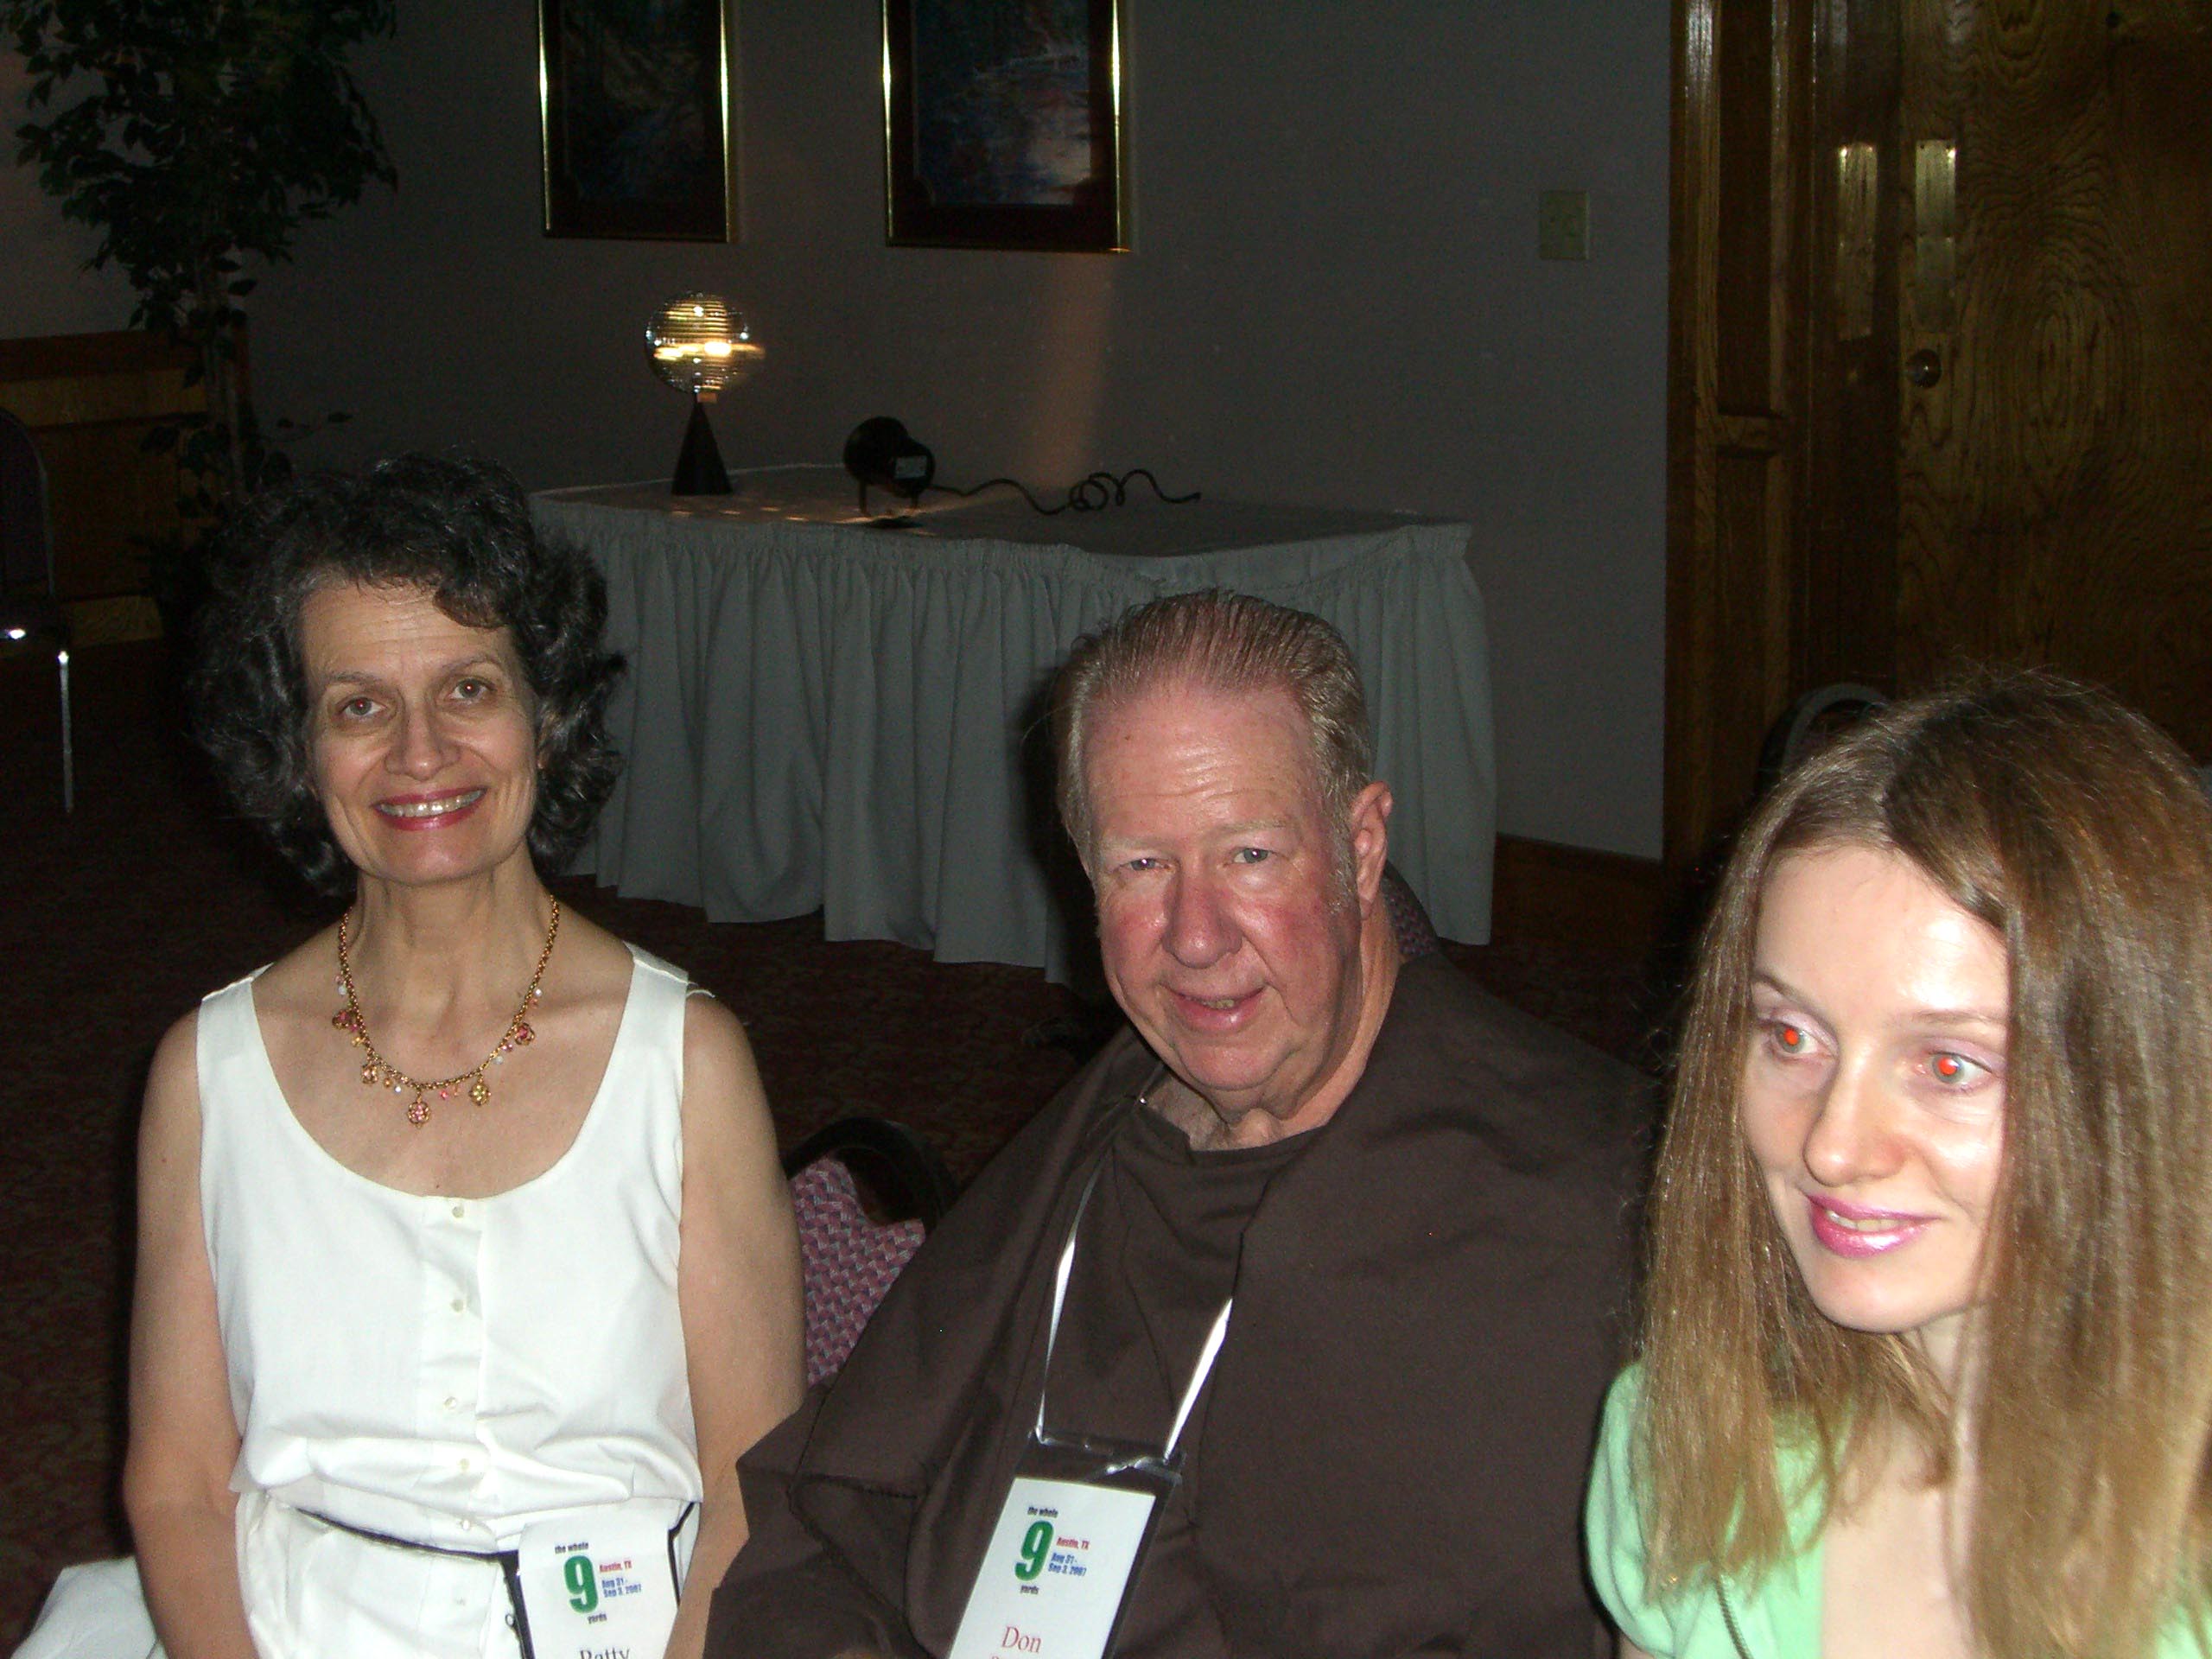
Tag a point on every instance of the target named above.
point(602, 1584)
point(1059, 1561)
point(1075, 1520)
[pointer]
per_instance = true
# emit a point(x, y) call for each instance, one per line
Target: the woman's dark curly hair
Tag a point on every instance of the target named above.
point(458, 529)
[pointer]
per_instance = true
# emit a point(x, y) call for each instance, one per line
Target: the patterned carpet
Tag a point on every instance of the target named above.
point(115, 920)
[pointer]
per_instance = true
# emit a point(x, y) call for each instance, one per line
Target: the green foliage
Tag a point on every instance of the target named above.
point(195, 135)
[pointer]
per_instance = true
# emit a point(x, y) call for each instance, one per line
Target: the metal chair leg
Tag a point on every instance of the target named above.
point(68, 755)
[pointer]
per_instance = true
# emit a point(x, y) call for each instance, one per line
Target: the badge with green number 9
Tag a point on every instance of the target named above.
point(603, 1580)
point(1035, 1549)
point(583, 1583)
point(1072, 1545)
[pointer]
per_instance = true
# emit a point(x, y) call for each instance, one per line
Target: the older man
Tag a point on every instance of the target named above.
point(1283, 1330)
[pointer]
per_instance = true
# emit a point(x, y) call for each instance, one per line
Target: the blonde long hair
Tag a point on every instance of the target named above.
point(2077, 831)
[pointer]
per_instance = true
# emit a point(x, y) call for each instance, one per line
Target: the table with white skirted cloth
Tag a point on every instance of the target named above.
point(822, 714)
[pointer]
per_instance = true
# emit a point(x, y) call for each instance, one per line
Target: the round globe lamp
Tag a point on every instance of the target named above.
point(699, 346)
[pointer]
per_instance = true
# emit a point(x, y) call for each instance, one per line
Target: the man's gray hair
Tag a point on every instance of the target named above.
point(1215, 641)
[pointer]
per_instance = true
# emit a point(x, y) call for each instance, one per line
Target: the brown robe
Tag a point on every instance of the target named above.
point(1395, 1436)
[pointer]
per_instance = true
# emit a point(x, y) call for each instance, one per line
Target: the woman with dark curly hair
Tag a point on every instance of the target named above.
point(1926, 1363)
point(466, 1267)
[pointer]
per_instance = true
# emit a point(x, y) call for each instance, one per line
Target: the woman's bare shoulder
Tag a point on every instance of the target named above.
point(303, 980)
point(719, 1068)
point(589, 963)
point(726, 1121)
point(175, 1063)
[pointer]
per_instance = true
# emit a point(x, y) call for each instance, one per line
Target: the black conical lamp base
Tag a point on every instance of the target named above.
point(699, 469)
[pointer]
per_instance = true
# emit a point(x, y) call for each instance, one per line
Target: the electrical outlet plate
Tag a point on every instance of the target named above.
point(1563, 225)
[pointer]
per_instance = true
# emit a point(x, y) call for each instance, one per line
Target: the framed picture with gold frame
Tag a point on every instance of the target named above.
point(1002, 125)
point(633, 111)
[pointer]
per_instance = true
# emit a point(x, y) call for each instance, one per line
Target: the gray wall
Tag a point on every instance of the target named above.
point(1335, 298)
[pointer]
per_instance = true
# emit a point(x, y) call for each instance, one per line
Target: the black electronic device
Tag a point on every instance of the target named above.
point(881, 452)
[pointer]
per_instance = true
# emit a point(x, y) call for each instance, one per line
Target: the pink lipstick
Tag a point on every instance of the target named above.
point(1857, 1230)
point(414, 812)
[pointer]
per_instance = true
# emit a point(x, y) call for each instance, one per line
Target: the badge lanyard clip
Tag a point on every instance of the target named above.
point(1210, 1348)
point(1060, 1559)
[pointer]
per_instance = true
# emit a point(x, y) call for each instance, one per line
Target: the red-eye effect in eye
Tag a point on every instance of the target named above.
point(1790, 1039)
point(1949, 1067)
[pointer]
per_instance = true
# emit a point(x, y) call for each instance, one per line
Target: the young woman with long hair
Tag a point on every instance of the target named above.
point(1926, 1353)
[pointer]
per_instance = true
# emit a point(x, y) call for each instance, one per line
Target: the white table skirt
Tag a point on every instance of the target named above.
point(825, 716)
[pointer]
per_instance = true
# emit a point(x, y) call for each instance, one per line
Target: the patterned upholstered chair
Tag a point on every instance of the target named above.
point(850, 1256)
point(1409, 923)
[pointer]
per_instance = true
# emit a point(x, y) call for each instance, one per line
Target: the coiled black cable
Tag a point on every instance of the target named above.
point(1099, 491)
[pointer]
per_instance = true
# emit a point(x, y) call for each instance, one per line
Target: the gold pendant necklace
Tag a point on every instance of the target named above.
point(379, 1072)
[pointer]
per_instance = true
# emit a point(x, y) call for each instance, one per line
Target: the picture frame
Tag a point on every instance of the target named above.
point(633, 109)
point(1002, 125)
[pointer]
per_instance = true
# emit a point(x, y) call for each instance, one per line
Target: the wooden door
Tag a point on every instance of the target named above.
point(1988, 231)
point(2056, 478)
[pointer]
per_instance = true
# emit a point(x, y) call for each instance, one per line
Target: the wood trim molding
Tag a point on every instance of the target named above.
point(1545, 891)
point(90, 400)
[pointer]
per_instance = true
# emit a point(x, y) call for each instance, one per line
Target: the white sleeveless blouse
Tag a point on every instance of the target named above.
point(446, 1371)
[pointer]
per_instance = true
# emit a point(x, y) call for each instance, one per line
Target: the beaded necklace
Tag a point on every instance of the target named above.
point(379, 1072)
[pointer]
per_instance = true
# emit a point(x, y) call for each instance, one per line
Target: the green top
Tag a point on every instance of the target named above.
point(1777, 1618)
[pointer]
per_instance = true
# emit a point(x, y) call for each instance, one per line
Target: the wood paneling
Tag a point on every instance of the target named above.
point(2057, 481)
point(90, 401)
point(2002, 451)
point(1735, 421)
point(1543, 892)
point(1843, 623)
point(1744, 249)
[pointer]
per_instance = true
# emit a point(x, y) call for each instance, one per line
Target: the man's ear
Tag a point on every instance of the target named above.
point(1371, 841)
